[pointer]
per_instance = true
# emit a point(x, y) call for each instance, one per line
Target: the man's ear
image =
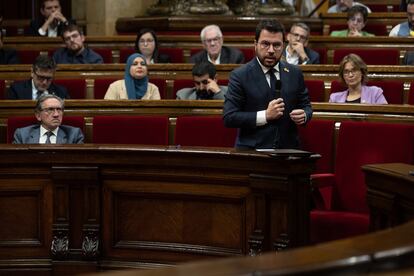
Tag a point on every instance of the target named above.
point(37, 115)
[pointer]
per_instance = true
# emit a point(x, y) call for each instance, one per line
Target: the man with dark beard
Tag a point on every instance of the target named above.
point(75, 51)
point(205, 84)
point(267, 97)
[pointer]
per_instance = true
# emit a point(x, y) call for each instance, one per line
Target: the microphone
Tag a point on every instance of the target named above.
point(278, 87)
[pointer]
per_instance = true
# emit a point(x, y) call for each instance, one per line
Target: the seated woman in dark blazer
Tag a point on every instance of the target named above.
point(146, 44)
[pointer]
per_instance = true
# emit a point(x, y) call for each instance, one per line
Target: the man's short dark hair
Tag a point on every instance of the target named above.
point(410, 2)
point(354, 10)
point(270, 25)
point(71, 28)
point(202, 68)
point(44, 62)
point(44, 97)
point(42, 3)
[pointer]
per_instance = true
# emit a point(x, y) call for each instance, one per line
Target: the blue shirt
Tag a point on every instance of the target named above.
point(87, 56)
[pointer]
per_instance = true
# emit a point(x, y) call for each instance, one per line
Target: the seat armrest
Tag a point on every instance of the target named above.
point(322, 188)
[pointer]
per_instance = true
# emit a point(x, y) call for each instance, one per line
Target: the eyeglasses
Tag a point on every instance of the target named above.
point(43, 78)
point(215, 40)
point(69, 38)
point(353, 72)
point(148, 41)
point(51, 110)
point(300, 37)
point(205, 82)
point(266, 45)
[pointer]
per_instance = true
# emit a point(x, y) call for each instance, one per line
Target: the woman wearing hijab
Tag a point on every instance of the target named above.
point(135, 85)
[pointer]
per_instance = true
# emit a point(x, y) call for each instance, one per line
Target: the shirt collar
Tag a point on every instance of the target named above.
point(217, 61)
point(265, 69)
point(44, 130)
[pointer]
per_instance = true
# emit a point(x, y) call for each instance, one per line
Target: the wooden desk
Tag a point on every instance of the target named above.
point(390, 194)
point(101, 206)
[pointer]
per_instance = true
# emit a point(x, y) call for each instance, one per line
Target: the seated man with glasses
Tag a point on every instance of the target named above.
point(214, 51)
point(49, 113)
point(356, 20)
point(267, 97)
point(75, 51)
point(296, 51)
point(205, 84)
point(42, 72)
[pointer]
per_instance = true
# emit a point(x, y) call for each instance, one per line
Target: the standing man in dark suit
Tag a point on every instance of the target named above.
point(7, 56)
point(267, 98)
point(42, 72)
point(214, 51)
point(49, 113)
point(52, 22)
point(297, 50)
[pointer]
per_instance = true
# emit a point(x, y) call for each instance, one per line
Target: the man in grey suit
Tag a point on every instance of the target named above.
point(214, 51)
point(267, 97)
point(49, 113)
point(205, 84)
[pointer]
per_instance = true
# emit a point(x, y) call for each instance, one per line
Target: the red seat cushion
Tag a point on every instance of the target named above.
point(76, 87)
point(370, 56)
point(105, 53)
point(101, 86)
point(162, 85)
point(316, 89)
point(22, 121)
point(27, 56)
point(248, 53)
point(207, 131)
point(148, 130)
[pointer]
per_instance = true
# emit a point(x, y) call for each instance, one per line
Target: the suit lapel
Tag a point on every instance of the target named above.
point(61, 137)
point(259, 76)
point(34, 135)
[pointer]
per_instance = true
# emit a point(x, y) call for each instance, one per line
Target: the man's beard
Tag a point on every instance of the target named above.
point(204, 94)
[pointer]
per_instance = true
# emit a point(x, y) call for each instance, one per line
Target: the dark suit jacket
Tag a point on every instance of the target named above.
point(409, 58)
point(249, 92)
point(228, 55)
point(22, 90)
point(312, 55)
point(31, 135)
point(35, 24)
point(9, 56)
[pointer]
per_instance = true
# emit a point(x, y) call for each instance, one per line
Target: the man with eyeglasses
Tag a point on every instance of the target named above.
point(52, 20)
point(205, 84)
point(267, 97)
point(345, 5)
point(214, 51)
point(42, 72)
point(296, 51)
point(49, 112)
point(75, 51)
point(406, 28)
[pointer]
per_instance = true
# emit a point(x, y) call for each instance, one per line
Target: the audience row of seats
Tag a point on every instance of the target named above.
point(394, 90)
point(339, 189)
point(389, 56)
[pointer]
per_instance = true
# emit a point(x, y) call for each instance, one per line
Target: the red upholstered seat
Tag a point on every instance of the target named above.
point(316, 89)
point(342, 209)
point(393, 89)
point(370, 56)
point(207, 131)
point(384, 7)
point(323, 54)
point(161, 84)
point(176, 54)
point(76, 87)
point(181, 83)
point(22, 121)
point(311, 140)
point(101, 86)
point(2, 89)
point(411, 94)
point(27, 56)
point(248, 53)
point(105, 53)
point(148, 130)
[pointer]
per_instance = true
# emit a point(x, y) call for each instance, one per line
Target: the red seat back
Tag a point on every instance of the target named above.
point(393, 89)
point(148, 130)
point(2, 89)
point(316, 90)
point(361, 143)
point(181, 83)
point(76, 87)
point(105, 53)
point(162, 85)
point(370, 56)
point(310, 139)
point(411, 94)
point(323, 55)
point(248, 53)
point(101, 86)
point(22, 121)
point(207, 131)
point(124, 53)
point(27, 56)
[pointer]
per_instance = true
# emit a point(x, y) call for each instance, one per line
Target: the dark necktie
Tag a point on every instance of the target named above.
point(271, 73)
point(48, 134)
